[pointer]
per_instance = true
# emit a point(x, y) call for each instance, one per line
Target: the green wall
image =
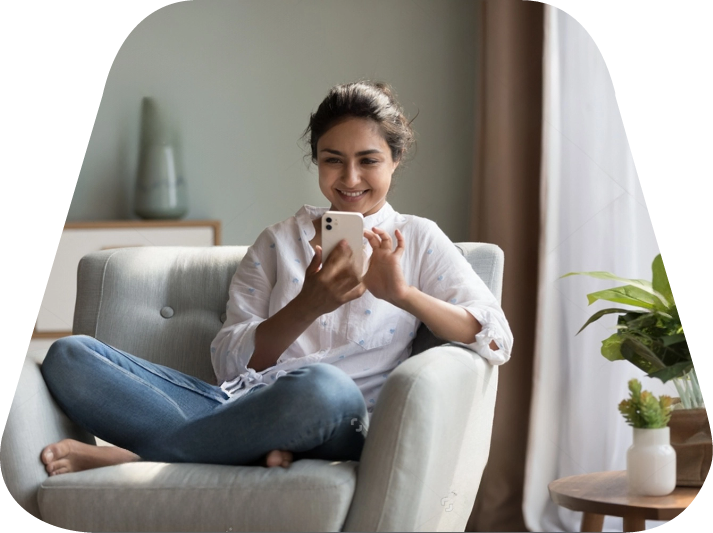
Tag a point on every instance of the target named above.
point(238, 80)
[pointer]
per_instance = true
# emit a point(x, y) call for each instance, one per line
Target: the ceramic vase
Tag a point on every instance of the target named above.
point(160, 188)
point(160, 191)
point(651, 463)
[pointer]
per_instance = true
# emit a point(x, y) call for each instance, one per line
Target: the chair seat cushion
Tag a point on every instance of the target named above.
point(310, 495)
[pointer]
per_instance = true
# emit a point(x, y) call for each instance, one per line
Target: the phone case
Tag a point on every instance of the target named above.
point(343, 225)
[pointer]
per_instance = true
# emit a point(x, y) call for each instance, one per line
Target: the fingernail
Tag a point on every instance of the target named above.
point(49, 455)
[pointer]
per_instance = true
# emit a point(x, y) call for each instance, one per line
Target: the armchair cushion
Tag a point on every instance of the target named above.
point(164, 304)
point(311, 495)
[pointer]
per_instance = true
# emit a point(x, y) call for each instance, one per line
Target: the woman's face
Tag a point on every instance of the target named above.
point(355, 166)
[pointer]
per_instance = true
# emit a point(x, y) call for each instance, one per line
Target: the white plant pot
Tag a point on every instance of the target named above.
point(651, 463)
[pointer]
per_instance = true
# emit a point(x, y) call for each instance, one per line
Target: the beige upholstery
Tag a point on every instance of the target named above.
point(426, 447)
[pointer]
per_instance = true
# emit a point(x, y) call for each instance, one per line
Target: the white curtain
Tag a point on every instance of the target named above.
point(593, 218)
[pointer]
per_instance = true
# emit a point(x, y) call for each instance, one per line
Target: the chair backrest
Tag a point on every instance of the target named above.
point(166, 304)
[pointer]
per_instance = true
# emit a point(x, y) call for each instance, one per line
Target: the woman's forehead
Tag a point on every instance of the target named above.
point(354, 133)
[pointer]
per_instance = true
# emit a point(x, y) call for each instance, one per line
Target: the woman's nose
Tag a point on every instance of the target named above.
point(351, 175)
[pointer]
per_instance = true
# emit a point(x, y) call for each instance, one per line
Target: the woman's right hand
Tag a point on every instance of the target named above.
point(324, 290)
point(334, 284)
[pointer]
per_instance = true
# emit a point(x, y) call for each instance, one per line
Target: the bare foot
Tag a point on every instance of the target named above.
point(278, 458)
point(70, 455)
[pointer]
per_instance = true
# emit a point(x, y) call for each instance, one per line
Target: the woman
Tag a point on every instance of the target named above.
point(304, 351)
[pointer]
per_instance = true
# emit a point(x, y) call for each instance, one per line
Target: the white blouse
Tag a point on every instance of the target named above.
point(367, 337)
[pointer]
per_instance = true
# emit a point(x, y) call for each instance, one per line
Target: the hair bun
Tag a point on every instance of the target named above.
point(363, 99)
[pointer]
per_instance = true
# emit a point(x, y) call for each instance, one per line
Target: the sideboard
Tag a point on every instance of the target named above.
point(56, 313)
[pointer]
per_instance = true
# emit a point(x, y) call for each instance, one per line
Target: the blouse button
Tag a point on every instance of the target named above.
point(166, 312)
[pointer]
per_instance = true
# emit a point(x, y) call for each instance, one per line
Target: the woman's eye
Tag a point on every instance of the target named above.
point(369, 161)
point(332, 160)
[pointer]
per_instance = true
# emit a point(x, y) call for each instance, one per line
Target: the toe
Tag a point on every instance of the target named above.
point(47, 455)
point(274, 458)
point(286, 459)
point(58, 467)
point(62, 470)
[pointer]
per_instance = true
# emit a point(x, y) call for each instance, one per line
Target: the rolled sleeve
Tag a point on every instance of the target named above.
point(447, 275)
point(494, 328)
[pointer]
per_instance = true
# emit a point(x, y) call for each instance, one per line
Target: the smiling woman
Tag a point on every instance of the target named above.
point(356, 177)
point(308, 342)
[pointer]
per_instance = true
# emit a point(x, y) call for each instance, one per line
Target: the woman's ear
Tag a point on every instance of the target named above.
point(396, 164)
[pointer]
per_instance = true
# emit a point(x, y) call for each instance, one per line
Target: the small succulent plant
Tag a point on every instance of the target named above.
point(643, 409)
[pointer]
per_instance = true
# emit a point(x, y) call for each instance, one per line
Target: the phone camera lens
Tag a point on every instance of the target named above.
point(329, 227)
point(329, 219)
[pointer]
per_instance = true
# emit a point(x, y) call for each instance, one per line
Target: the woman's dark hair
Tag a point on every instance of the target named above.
point(362, 99)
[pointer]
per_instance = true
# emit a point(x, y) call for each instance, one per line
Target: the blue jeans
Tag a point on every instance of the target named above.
point(160, 414)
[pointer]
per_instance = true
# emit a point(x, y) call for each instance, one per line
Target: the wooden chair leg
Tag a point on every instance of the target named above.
point(634, 523)
point(592, 522)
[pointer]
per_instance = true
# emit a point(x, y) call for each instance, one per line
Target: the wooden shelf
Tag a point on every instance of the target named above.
point(108, 224)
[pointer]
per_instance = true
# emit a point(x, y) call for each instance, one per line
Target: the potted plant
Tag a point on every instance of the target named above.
point(650, 461)
point(652, 338)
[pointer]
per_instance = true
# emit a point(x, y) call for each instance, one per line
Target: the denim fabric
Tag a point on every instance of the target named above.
point(161, 414)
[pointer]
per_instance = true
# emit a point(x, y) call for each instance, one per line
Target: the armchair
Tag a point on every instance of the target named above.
point(427, 444)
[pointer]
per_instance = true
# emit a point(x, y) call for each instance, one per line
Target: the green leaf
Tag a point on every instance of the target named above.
point(628, 294)
point(660, 280)
point(635, 388)
point(599, 314)
point(670, 372)
point(611, 347)
point(639, 355)
point(670, 340)
point(637, 319)
point(642, 284)
point(673, 311)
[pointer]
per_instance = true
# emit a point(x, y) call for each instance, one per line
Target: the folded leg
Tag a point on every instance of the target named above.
point(160, 414)
point(316, 411)
point(120, 398)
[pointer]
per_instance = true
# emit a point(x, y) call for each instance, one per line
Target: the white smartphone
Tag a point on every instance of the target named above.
point(338, 225)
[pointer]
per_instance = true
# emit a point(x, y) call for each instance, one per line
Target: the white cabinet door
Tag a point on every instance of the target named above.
point(57, 311)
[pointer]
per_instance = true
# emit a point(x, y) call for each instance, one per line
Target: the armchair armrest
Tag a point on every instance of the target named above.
point(35, 421)
point(427, 444)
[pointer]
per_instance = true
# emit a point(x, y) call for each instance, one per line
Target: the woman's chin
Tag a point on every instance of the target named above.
point(364, 204)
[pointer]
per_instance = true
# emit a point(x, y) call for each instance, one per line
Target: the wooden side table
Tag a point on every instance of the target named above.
point(605, 493)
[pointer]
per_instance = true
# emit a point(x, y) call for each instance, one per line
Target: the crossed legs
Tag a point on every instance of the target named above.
point(155, 413)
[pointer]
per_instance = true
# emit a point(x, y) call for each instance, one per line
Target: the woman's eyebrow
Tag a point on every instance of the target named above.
point(363, 152)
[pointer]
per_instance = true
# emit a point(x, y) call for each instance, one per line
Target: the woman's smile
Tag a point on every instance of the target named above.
point(351, 196)
point(355, 166)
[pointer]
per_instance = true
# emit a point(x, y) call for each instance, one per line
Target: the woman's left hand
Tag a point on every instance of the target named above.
point(385, 280)
point(384, 277)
